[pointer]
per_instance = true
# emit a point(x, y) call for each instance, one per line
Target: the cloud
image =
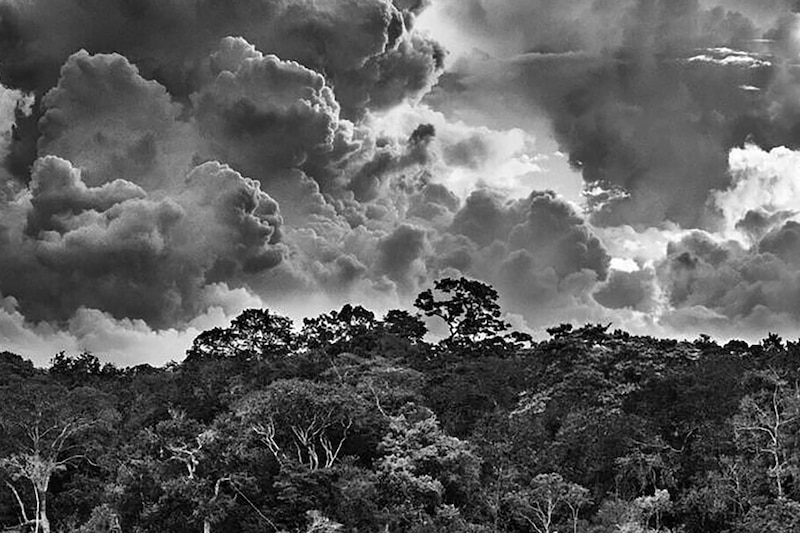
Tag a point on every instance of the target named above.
point(105, 118)
point(434, 203)
point(180, 160)
point(506, 28)
point(15, 106)
point(57, 188)
point(366, 46)
point(743, 287)
point(405, 72)
point(542, 226)
point(538, 252)
point(231, 223)
point(464, 157)
point(643, 96)
point(633, 290)
point(484, 218)
point(765, 190)
point(401, 253)
point(262, 114)
point(114, 248)
point(124, 342)
point(559, 237)
point(740, 281)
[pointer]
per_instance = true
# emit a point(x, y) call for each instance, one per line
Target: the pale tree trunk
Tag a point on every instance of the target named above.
point(43, 521)
point(206, 526)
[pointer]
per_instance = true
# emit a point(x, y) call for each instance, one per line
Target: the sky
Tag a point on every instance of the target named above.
point(167, 164)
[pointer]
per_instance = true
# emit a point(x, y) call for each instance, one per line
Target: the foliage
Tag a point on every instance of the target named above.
point(359, 423)
point(470, 310)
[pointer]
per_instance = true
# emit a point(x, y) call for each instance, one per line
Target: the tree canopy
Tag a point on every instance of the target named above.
point(360, 423)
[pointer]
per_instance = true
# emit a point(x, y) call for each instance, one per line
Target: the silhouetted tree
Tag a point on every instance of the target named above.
point(470, 310)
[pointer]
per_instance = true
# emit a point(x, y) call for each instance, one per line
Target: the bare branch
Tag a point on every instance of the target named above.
point(19, 502)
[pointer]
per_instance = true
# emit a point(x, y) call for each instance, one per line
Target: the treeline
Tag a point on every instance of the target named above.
point(355, 423)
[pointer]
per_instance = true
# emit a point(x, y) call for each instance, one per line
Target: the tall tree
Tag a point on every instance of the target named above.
point(351, 329)
point(47, 429)
point(306, 422)
point(256, 334)
point(545, 498)
point(768, 422)
point(470, 310)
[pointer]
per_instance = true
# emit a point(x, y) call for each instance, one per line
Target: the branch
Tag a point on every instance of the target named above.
point(218, 484)
point(70, 429)
point(267, 436)
point(19, 501)
point(377, 399)
point(64, 462)
point(256, 509)
point(666, 446)
point(332, 454)
point(756, 428)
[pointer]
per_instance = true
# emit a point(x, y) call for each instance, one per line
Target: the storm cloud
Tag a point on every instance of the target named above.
point(166, 164)
point(646, 97)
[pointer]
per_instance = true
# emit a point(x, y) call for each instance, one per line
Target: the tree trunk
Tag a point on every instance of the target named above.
point(43, 520)
point(206, 526)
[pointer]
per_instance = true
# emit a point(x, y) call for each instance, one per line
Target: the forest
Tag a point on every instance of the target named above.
point(359, 423)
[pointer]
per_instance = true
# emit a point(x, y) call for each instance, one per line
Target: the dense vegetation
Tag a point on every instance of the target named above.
point(358, 424)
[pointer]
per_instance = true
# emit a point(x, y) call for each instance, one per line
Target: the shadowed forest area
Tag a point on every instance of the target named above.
point(356, 423)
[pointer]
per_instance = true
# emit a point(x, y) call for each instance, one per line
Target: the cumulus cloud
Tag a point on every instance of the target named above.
point(15, 106)
point(263, 114)
point(740, 287)
point(105, 118)
point(124, 342)
point(636, 290)
point(400, 255)
point(367, 47)
point(165, 164)
point(464, 157)
point(232, 223)
point(647, 97)
point(58, 191)
point(765, 189)
point(539, 253)
point(542, 225)
point(738, 281)
point(114, 248)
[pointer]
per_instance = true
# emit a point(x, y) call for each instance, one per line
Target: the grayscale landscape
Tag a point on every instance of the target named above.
point(389, 266)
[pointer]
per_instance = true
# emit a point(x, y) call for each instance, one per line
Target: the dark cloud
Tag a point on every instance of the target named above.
point(388, 159)
point(182, 159)
point(115, 248)
point(784, 243)
point(434, 202)
point(58, 190)
point(366, 49)
point(484, 218)
point(107, 249)
point(264, 115)
point(366, 46)
point(105, 118)
point(537, 251)
point(406, 71)
point(644, 96)
point(556, 236)
point(400, 250)
point(234, 219)
point(733, 282)
point(631, 290)
point(544, 227)
point(18, 116)
point(757, 222)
